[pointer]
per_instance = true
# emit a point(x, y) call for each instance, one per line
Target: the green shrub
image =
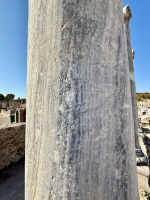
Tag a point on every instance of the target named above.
point(142, 96)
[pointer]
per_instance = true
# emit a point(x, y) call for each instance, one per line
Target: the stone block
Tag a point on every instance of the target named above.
point(12, 144)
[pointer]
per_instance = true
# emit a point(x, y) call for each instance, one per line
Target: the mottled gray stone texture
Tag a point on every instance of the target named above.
point(79, 144)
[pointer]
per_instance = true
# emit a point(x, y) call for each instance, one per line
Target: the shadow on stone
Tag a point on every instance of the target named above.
point(4, 177)
point(149, 181)
point(12, 182)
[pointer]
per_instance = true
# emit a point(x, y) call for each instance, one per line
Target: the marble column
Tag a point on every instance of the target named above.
point(78, 141)
point(131, 54)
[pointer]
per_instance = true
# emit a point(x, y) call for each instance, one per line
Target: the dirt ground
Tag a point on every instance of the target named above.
point(12, 182)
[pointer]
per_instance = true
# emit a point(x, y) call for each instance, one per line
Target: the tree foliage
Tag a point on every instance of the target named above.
point(2, 97)
point(142, 96)
point(9, 97)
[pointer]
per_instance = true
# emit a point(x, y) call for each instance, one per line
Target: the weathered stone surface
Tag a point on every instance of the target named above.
point(133, 53)
point(127, 16)
point(20, 115)
point(12, 144)
point(78, 137)
point(9, 104)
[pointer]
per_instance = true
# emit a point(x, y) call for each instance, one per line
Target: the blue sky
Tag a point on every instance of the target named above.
point(13, 45)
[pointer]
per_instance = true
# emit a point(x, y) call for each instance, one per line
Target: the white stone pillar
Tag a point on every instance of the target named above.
point(131, 54)
point(78, 141)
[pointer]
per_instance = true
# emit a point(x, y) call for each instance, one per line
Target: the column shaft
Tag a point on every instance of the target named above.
point(78, 141)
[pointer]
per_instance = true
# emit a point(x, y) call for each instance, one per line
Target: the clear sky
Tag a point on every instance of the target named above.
point(13, 45)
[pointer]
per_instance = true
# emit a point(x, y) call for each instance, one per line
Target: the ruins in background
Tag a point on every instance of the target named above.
point(12, 111)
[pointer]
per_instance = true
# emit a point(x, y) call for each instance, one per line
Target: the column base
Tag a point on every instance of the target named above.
point(140, 157)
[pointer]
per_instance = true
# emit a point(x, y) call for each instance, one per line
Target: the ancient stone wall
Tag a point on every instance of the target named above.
point(12, 144)
point(5, 112)
point(4, 104)
point(14, 103)
point(20, 115)
point(10, 103)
